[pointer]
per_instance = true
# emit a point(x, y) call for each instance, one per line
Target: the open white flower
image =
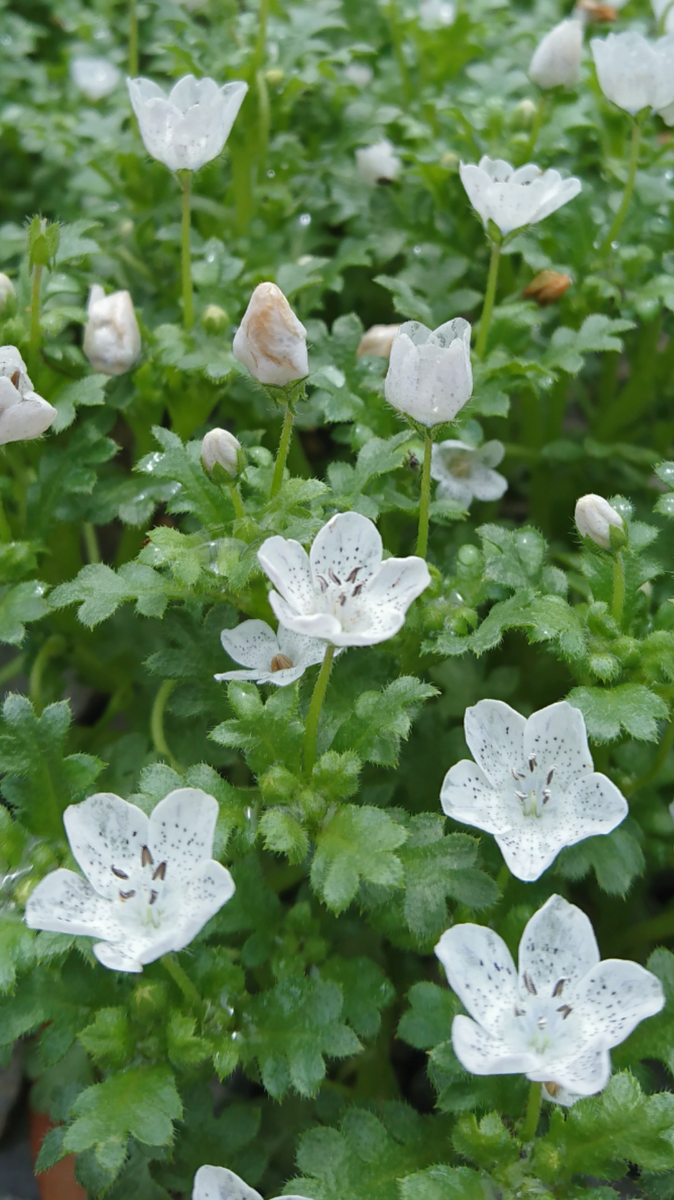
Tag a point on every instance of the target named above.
point(555, 1019)
point(633, 72)
point(270, 657)
point(378, 163)
point(151, 883)
point(342, 591)
point(430, 375)
point(532, 785)
point(23, 414)
point(190, 126)
point(556, 59)
point(466, 473)
point(95, 77)
point(111, 337)
point(217, 1183)
point(511, 198)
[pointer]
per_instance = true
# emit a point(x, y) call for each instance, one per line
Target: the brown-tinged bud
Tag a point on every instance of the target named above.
point(377, 340)
point(280, 662)
point(270, 340)
point(547, 287)
point(594, 11)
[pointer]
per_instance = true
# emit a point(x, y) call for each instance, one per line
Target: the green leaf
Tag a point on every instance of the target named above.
point(365, 989)
point(89, 392)
point(16, 950)
point(428, 1022)
point(99, 590)
point(283, 834)
point(356, 844)
point(446, 1183)
point(629, 706)
point(141, 1102)
point(568, 347)
point(196, 493)
point(406, 301)
point(616, 858)
point(109, 1039)
point(380, 720)
point(438, 867)
point(268, 734)
point(487, 1144)
point(19, 604)
point(512, 558)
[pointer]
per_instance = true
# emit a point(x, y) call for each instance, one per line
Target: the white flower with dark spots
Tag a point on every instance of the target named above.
point(466, 473)
point(515, 198)
point(269, 657)
point(217, 1183)
point(342, 591)
point(23, 414)
point(151, 883)
point(556, 1018)
point(532, 785)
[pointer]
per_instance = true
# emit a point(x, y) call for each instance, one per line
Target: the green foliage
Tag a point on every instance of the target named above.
point(356, 844)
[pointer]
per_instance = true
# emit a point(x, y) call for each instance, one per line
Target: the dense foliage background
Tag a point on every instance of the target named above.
point(121, 561)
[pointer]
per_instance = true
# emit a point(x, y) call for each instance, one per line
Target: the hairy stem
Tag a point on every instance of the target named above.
point(133, 39)
point(536, 127)
point(533, 1113)
point(239, 510)
point(629, 188)
point(90, 542)
point(34, 343)
point(188, 298)
point(282, 453)
point(182, 979)
point(157, 722)
point(53, 645)
point(425, 499)
point(313, 715)
point(618, 601)
point(490, 296)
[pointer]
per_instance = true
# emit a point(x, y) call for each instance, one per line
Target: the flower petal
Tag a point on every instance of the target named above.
point(487, 484)
point(582, 1076)
point(556, 735)
point(64, 902)
point(181, 832)
point(314, 625)
point(482, 1054)
point(105, 831)
point(468, 796)
point(495, 735)
point(480, 969)
point(592, 806)
point(557, 943)
point(217, 1183)
point(301, 650)
point(286, 563)
point(252, 643)
point(209, 888)
point(116, 958)
point(531, 846)
point(615, 996)
point(397, 582)
point(29, 419)
point(348, 549)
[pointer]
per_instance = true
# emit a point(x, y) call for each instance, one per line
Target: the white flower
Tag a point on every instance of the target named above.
point(557, 1018)
point(556, 60)
point(269, 657)
point(217, 1183)
point(95, 77)
point(270, 341)
point(111, 337)
point(190, 126)
point(664, 8)
point(360, 74)
point(511, 198)
point(220, 446)
point(436, 14)
point(633, 72)
point(532, 785)
point(430, 376)
point(23, 414)
point(377, 340)
point(466, 472)
point(594, 518)
point(342, 591)
point(150, 885)
point(378, 163)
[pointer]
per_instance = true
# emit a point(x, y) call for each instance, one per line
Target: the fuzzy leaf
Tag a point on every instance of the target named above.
point(357, 843)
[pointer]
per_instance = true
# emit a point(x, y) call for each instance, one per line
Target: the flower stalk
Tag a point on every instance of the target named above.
point(425, 499)
point(34, 343)
point(618, 600)
point(282, 452)
point(185, 178)
point(489, 298)
point(157, 722)
point(533, 1112)
point(313, 715)
point(629, 188)
point(183, 981)
point(541, 110)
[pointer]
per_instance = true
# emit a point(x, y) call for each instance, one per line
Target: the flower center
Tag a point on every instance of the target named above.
point(460, 466)
point(540, 1019)
point(537, 784)
point(142, 892)
point(280, 662)
point(337, 592)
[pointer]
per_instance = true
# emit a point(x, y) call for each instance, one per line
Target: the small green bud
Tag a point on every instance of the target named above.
point(215, 319)
point(43, 242)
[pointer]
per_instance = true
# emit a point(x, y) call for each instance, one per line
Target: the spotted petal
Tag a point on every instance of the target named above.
point(482, 1054)
point(106, 832)
point(181, 831)
point(210, 888)
point(286, 563)
point(480, 969)
point(64, 902)
point(615, 996)
point(310, 624)
point(468, 796)
point(252, 643)
point(495, 735)
point(217, 1183)
point(584, 1075)
point(347, 548)
point(558, 943)
point(594, 805)
point(556, 735)
point(532, 845)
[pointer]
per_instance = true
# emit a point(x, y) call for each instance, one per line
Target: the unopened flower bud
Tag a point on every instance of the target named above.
point(594, 11)
point(377, 341)
point(112, 337)
point(220, 446)
point(449, 160)
point(270, 341)
point(524, 113)
point(594, 518)
point(547, 287)
point(7, 296)
point(378, 163)
point(274, 76)
point(214, 319)
point(556, 59)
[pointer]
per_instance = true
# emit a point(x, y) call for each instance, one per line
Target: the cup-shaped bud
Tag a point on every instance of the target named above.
point(594, 519)
point(112, 337)
point(430, 375)
point(378, 163)
point(377, 341)
point(7, 296)
point(190, 126)
point(220, 446)
point(556, 59)
point(270, 341)
point(514, 198)
point(547, 287)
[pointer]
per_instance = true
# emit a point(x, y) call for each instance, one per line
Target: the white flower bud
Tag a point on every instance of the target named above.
point(95, 77)
point(377, 341)
point(430, 376)
point(7, 296)
point(112, 337)
point(214, 318)
point(190, 126)
point(635, 73)
point(594, 518)
point(378, 163)
point(270, 341)
point(23, 414)
point(556, 59)
point(220, 446)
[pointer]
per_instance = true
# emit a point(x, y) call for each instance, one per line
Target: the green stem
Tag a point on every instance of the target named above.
point(157, 722)
point(657, 764)
point(260, 43)
point(618, 601)
point(34, 343)
point(490, 296)
point(503, 878)
point(182, 979)
point(536, 127)
point(425, 498)
point(282, 454)
point(5, 531)
point(239, 510)
point(397, 40)
point(53, 645)
point(133, 39)
point(533, 1113)
point(629, 188)
point(311, 728)
point(185, 178)
point(90, 542)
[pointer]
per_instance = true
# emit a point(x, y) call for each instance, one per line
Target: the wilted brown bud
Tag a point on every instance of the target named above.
point(547, 287)
point(377, 340)
point(280, 662)
point(593, 10)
